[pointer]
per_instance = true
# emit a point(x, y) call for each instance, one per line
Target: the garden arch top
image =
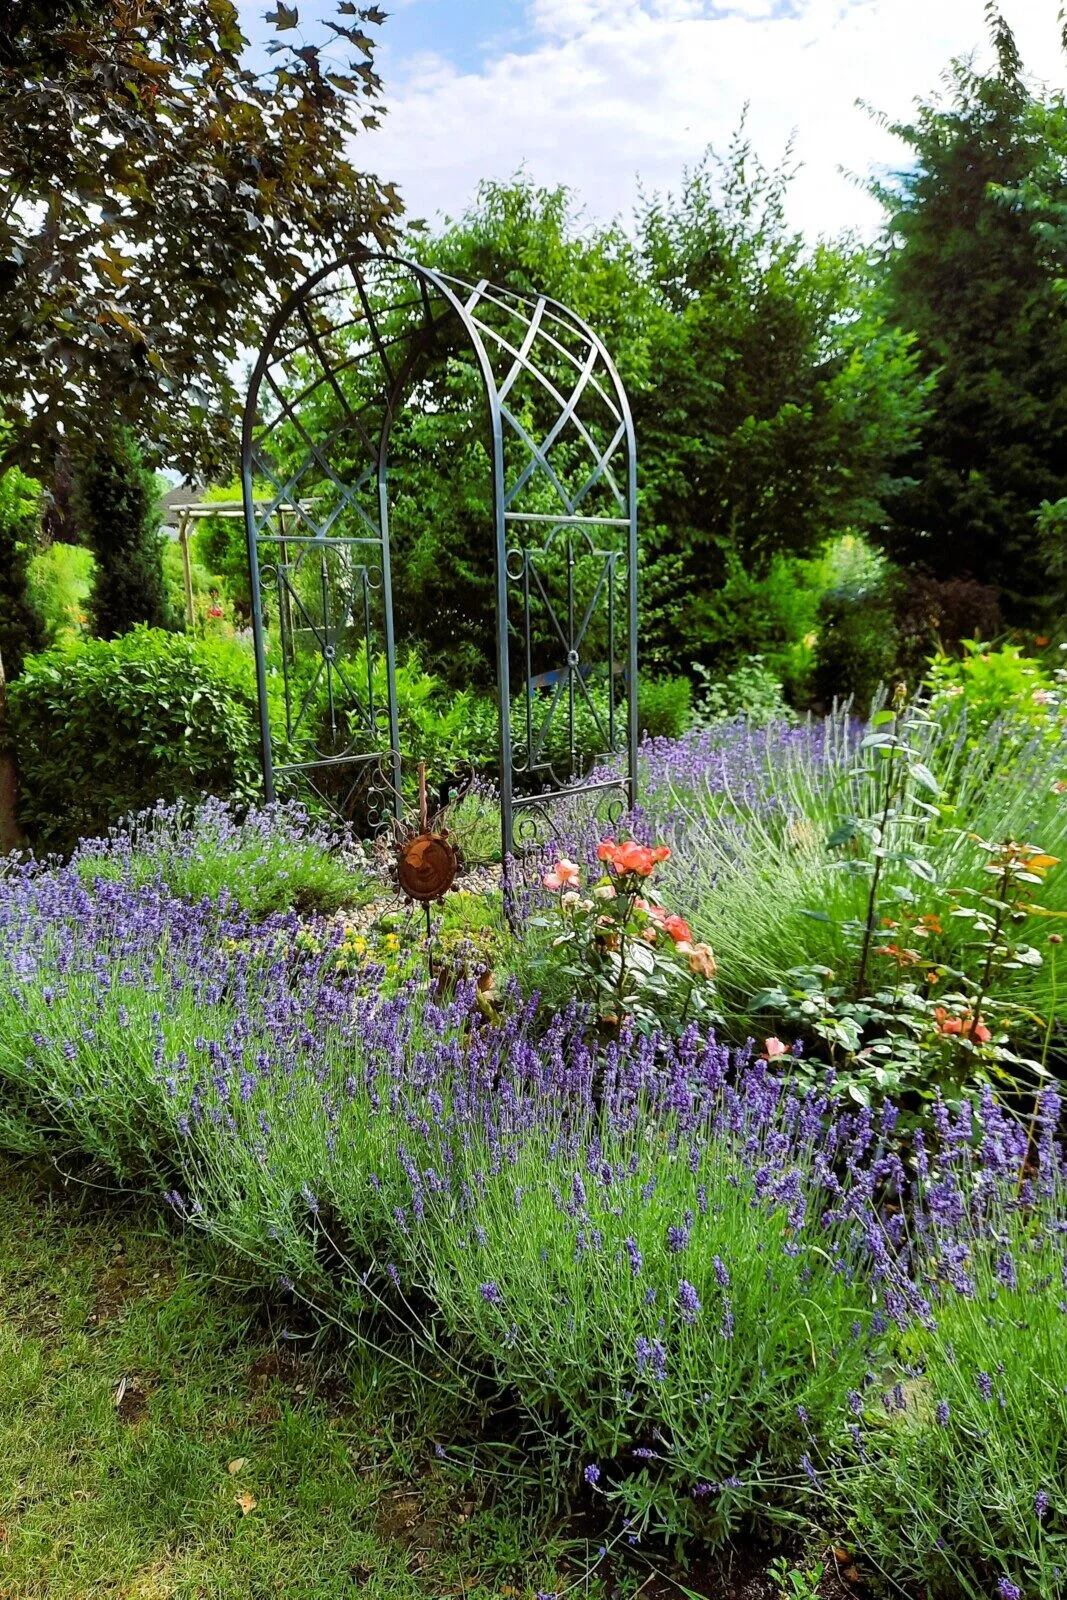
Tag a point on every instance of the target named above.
point(341, 357)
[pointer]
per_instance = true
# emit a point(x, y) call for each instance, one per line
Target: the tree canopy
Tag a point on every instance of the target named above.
point(159, 192)
point(976, 265)
point(778, 393)
point(769, 396)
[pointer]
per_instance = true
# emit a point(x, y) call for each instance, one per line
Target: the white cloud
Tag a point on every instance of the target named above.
point(613, 90)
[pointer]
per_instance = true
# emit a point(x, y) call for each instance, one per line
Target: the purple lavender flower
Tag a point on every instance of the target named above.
point(490, 1293)
point(942, 1413)
point(1008, 1590)
point(688, 1302)
point(677, 1239)
point(809, 1470)
point(1041, 1505)
point(592, 1474)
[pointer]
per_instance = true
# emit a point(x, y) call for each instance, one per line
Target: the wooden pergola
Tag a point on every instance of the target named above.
point(182, 514)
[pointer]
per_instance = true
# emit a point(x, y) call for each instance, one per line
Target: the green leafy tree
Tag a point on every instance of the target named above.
point(119, 515)
point(769, 398)
point(976, 266)
point(21, 627)
point(161, 189)
point(778, 396)
point(529, 240)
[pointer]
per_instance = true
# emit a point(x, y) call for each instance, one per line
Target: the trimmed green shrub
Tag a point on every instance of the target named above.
point(105, 728)
point(665, 707)
point(750, 690)
point(117, 501)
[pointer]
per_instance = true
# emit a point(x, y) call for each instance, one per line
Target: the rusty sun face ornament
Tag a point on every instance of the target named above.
point(427, 861)
point(427, 865)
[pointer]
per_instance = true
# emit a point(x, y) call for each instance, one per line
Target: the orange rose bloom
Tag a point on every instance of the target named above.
point(565, 874)
point(964, 1026)
point(633, 857)
point(946, 1023)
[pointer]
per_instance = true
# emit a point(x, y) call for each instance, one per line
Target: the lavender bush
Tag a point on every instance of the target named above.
point(713, 1298)
point(957, 1484)
point(265, 859)
point(627, 1238)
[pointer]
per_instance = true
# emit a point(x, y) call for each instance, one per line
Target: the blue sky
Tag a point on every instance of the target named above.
point(603, 94)
point(466, 33)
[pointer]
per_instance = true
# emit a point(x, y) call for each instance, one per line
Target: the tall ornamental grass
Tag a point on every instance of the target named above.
point(749, 813)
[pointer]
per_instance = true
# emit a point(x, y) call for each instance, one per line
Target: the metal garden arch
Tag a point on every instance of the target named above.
point(340, 359)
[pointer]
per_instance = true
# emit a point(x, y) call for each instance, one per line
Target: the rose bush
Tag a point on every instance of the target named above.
point(627, 955)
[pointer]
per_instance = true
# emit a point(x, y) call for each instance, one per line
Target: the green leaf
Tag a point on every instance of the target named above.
point(922, 775)
point(769, 999)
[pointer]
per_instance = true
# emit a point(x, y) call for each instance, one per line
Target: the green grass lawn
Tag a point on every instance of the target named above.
point(161, 1438)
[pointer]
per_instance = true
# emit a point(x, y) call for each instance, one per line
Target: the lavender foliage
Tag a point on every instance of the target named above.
point(702, 1280)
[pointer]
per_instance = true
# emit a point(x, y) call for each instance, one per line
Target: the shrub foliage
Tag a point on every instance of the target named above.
point(118, 509)
point(21, 627)
point(107, 727)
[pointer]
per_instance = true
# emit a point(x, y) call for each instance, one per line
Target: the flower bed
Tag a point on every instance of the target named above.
point(718, 1290)
point(696, 1282)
